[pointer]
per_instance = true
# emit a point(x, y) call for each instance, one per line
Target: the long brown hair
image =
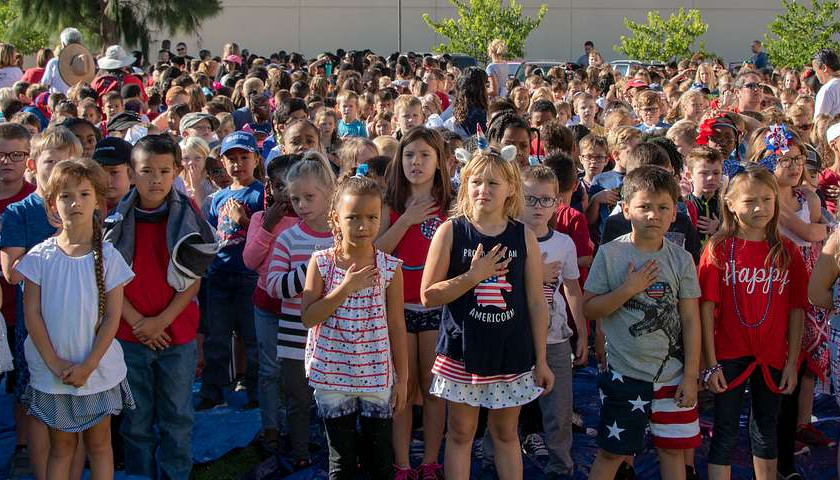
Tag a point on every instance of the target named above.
point(778, 255)
point(399, 188)
point(77, 170)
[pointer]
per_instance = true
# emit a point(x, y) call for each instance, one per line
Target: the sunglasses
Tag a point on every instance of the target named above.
point(752, 86)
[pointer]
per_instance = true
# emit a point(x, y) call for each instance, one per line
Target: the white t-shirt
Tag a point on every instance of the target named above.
point(559, 247)
point(9, 75)
point(828, 99)
point(52, 78)
point(69, 307)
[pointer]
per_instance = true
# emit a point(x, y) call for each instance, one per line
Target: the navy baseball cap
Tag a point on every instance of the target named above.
point(112, 151)
point(238, 139)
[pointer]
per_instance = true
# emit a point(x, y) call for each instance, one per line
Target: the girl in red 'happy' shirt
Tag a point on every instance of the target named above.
point(752, 309)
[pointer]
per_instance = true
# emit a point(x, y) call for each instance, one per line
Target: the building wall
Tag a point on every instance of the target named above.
point(313, 26)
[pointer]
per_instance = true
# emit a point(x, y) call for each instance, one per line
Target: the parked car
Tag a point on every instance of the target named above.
point(463, 61)
point(540, 66)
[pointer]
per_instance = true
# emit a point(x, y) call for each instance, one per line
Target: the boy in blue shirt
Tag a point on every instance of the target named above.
point(348, 107)
point(604, 191)
point(230, 283)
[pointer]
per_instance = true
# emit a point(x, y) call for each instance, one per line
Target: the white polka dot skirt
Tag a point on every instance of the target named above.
point(77, 413)
point(488, 395)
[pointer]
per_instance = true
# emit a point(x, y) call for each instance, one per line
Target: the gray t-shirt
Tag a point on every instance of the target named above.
point(644, 336)
point(500, 71)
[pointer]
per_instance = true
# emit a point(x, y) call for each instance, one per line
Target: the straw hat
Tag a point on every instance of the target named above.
point(75, 64)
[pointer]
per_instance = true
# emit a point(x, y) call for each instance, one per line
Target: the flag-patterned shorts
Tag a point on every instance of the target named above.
point(629, 406)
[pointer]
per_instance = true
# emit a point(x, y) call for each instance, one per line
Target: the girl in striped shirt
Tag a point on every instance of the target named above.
point(356, 349)
point(309, 184)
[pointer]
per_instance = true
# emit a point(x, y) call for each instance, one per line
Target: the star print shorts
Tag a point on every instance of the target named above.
point(629, 406)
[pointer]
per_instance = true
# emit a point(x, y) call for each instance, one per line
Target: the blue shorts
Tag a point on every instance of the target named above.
point(416, 322)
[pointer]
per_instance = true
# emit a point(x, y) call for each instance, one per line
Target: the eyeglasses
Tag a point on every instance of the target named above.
point(545, 202)
point(597, 158)
point(217, 172)
point(15, 157)
point(752, 86)
point(798, 160)
point(649, 109)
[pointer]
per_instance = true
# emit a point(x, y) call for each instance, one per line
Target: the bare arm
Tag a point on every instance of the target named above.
point(396, 325)
point(690, 316)
point(707, 322)
point(825, 273)
point(9, 257)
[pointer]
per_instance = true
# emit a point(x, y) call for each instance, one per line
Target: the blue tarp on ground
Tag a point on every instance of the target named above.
point(223, 429)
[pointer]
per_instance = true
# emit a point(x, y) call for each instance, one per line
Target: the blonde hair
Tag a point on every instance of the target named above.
point(7, 55)
point(76, 170)
point(55, 138)
point(386, 145)
point(620, 136)
point(497, 48)
point(195, 144)
point(405, 102)
point(315, 166)
point(509, 171)
point(685, 130)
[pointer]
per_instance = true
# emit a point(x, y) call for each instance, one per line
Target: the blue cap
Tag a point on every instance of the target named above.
point(239, 139)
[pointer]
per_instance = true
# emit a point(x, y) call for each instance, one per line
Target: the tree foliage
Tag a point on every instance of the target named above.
point(25, 37)
point(801, 31)
point(130, 22)
point(663, 39)
point(481, 21)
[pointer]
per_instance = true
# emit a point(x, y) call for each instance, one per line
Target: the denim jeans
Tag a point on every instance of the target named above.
point(265, 324)
point(161, 382)
point(229, 309)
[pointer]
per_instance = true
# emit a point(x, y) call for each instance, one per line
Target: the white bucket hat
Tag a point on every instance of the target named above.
point(114, 58)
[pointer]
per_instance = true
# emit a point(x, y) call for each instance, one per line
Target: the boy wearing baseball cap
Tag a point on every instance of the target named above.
point(230, 283)
point(114, 154)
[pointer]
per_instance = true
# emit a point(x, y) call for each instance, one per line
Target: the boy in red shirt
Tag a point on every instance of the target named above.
point(169, 245)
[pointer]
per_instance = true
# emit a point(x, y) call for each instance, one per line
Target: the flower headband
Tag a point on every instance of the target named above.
point(777, 143)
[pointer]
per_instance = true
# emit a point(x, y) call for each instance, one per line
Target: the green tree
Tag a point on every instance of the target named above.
point(663, 39)
point(797, 34)
point(26, 38)
point(482, 21)
point(130, 22)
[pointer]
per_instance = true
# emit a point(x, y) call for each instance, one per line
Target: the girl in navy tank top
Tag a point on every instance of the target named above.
point(485, 268)
point(416, 203)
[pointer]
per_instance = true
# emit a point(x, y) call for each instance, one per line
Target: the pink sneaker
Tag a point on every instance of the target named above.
point(404, 473)
point(430, 471)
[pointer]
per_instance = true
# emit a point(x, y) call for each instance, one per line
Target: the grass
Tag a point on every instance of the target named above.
point(231, 466)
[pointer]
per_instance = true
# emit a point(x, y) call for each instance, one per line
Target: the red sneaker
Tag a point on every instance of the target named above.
point(430, 471)
point(809, 435)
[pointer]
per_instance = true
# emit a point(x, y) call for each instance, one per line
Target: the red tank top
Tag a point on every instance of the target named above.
point(412, 250)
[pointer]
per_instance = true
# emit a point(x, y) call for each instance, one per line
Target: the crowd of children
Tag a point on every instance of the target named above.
point(389, 238)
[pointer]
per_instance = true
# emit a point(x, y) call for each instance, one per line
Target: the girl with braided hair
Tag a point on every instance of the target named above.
point(78, 375)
